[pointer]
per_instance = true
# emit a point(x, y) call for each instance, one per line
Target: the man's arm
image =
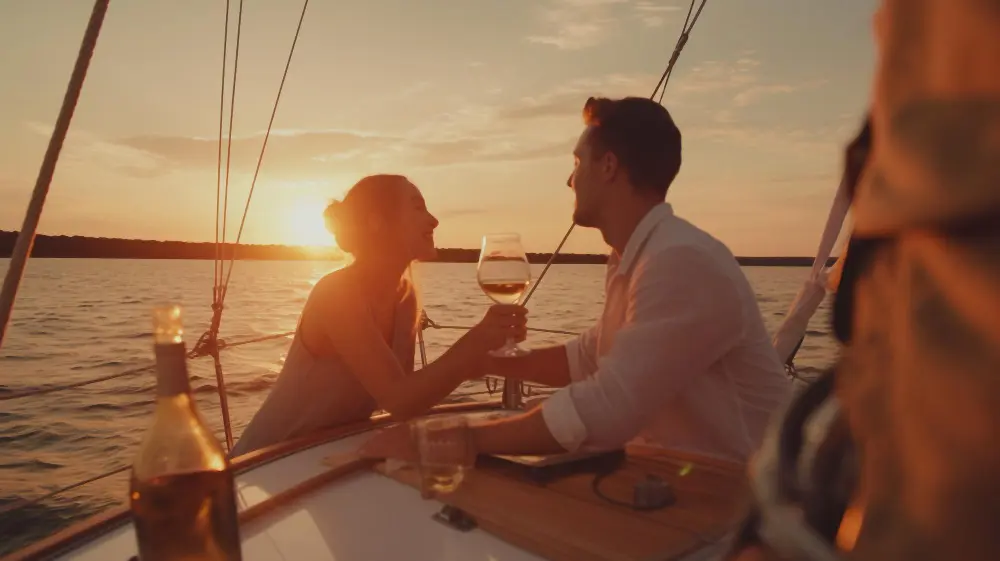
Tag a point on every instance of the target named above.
point(684, 313)
point(523, 434)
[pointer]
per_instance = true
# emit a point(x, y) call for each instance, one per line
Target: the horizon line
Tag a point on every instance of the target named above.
point(12, 235)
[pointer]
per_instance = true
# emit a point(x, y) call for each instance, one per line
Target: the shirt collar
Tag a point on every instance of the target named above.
point(640, 235)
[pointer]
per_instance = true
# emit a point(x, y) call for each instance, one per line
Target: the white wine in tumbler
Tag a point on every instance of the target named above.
point(445, 452)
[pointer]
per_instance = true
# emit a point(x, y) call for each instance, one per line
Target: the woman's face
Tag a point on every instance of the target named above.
point(415, 228)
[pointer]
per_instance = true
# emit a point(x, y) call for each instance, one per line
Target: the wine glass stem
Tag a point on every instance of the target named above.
point(511, 397)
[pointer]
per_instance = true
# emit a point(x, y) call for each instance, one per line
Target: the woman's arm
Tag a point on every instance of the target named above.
point(360, 344)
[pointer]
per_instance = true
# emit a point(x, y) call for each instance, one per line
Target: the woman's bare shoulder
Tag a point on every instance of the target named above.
point(338, 286)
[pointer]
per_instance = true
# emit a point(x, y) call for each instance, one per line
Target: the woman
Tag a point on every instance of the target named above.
point(352, 353)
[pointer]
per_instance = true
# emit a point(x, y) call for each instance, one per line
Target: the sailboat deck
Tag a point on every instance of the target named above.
point(566, 520)
point(314, 500)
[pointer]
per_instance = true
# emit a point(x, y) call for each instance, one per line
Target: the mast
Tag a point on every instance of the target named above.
point(26, 236)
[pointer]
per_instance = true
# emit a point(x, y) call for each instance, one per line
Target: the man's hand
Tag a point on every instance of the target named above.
point(394, 442)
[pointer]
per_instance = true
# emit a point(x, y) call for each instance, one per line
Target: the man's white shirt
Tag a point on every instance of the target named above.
point(680, 357)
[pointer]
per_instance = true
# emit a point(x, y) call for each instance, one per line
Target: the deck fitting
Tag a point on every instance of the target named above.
point(455, 518)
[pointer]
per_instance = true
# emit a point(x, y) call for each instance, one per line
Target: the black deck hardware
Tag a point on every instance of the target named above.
point(455, 518)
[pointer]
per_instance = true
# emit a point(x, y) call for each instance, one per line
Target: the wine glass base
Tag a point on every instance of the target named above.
point(509, 352)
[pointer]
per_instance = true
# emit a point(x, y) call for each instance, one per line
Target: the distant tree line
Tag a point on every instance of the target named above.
point(116, 248)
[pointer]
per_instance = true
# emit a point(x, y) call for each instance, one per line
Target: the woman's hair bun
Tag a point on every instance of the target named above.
point(373, 198)
point(336, 223)
point(331, 215)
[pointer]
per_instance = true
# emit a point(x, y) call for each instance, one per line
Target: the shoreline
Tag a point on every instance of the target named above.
point(83, 247)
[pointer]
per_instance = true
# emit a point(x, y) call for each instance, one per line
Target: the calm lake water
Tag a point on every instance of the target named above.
point(77, 319)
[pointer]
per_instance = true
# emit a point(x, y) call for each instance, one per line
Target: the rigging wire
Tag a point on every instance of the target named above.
point(217, 303)
point(218, 169)
point(682, 40)
point(263, 148)
point(208, 344)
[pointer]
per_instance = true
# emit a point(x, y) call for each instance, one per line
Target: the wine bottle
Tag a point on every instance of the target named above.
point(182, 494)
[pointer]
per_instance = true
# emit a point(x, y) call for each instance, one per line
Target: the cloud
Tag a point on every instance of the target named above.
point(580, 24)
point(711, 91)
point(472, 134)
point(466, 136)
point(577, 24)
point(417, 88)
point(739, 80)
point(82, 146)
point(502, 148)
point(317, 147)
point(317, 153)
point(780, 139)
point(653, 14)
point(711, 95)
point(714, 76)
point(755, 93)
point(566, 101)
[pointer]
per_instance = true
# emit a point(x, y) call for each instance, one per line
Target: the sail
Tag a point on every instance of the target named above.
point(789, 335)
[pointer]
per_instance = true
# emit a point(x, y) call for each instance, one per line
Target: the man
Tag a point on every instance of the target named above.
point(680, 356)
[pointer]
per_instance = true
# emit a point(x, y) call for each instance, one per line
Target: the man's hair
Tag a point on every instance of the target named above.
point(641, 133)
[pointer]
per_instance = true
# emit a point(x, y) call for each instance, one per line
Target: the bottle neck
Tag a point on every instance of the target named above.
point(171, 370)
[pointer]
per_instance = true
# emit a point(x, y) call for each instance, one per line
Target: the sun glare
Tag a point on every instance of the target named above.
point(307, 227)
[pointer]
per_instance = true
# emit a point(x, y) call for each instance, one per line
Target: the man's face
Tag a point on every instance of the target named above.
point(589, 181)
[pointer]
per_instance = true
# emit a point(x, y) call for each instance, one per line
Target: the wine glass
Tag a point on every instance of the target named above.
point(504, 275)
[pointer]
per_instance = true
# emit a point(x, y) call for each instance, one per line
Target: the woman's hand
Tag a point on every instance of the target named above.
point(501, 322)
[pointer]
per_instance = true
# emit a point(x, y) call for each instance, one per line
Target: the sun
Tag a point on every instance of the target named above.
point(306, 225)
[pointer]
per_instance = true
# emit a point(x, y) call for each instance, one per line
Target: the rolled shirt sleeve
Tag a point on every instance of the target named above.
point(581, 353)
point(684, 313)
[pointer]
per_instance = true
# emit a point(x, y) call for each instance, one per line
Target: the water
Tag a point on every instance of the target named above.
point(77, 319)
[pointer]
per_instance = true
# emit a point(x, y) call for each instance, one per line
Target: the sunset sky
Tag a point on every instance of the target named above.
point(477, 101)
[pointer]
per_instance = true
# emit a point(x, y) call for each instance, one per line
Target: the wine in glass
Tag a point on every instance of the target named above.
point(504, 275)
point(445, 450)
